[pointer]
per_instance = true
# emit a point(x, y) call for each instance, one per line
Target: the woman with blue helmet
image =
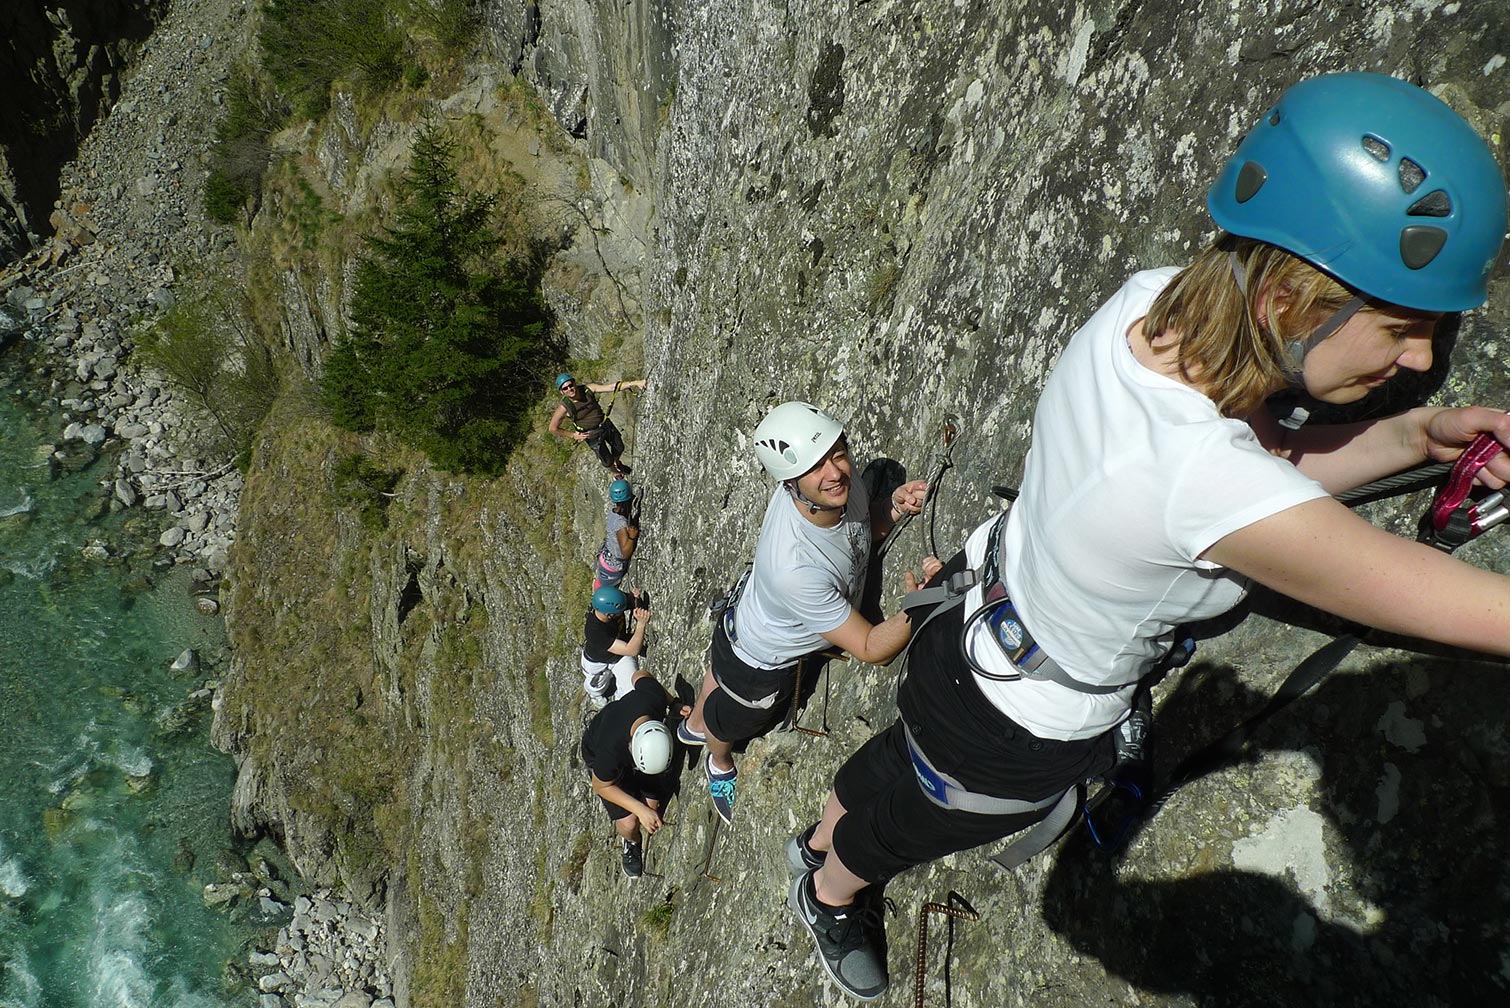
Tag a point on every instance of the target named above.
point(1358, 211)
point(621, 533)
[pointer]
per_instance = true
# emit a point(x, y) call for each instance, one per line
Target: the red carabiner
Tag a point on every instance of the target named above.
point(1455, 491)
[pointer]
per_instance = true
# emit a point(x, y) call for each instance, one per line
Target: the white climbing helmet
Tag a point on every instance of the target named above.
point(650, 747)
point(793, 438)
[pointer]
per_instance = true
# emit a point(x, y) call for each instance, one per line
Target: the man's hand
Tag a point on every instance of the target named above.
point(649, 818)
point(908, 498)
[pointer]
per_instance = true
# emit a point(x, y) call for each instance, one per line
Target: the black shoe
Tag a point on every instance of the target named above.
point(846, 940)
point(800, 857)
point(633, 859)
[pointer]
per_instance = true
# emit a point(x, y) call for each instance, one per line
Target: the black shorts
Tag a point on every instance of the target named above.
point(644, 788)
point(727, 719)
point(607, 443)
point(890, 823)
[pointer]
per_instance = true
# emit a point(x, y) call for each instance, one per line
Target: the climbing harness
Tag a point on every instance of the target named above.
point(955, 907)
point(942, 461)
point(1452, 520)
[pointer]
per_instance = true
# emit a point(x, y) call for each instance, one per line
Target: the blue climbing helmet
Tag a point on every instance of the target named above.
point(610, 601)
point(562, 379)
point(1374, 181)
point(619, 491)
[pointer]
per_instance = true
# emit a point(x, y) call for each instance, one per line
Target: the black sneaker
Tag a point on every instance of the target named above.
point(800, 857)
point(846, 940)
point(633, 859)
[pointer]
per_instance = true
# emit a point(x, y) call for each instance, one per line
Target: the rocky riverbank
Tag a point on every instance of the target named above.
point(128, 219)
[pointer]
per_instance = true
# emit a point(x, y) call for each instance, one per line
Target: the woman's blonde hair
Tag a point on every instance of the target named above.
point(1237, 359)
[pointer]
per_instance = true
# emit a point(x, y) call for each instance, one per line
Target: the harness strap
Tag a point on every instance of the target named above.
point(764, 703)
point(947, 792)
point(1043, 834)
point(1024, 654)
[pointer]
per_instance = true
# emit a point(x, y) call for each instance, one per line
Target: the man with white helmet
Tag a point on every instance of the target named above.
point(627, 749)
point(802, 593)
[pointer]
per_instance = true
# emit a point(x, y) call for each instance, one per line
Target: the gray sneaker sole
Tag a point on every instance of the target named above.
point(794, 903)
point(797, 862)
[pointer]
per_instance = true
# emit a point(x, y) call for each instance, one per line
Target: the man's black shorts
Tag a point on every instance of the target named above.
point(727, 719)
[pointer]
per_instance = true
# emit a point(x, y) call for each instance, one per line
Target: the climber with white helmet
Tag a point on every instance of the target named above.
point(628, 748)
point(1357, 213)
point(801, 596)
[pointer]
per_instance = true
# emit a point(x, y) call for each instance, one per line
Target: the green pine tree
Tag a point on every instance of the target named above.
point(446, 348)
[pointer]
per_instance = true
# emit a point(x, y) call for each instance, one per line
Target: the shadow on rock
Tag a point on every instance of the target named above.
point(1377, 882)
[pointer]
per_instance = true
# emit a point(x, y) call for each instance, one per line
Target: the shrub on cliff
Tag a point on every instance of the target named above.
point(240, 154)
point(206, 348)
point(307, 45)
point(449, 345)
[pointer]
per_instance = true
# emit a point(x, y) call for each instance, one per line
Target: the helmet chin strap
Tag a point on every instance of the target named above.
point(813, 507)
point(1293, 353)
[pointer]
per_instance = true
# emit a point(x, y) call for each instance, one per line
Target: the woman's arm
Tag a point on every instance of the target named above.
point(627, 536)
point(636, 640)
point(1343, 456)
point(1322, 554)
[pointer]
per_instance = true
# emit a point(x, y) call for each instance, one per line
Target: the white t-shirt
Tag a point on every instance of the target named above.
point(1130, 477)
point(804, 582)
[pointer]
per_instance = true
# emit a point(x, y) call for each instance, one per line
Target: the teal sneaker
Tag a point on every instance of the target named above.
point(721, 785)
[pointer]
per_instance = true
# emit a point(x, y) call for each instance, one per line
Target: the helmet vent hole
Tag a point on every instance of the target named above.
point(1434, 204)
point(1411, 175)
point(1377, 149)
point(1274, 118)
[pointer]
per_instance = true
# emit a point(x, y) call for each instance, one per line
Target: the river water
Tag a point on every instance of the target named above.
point(113, 807)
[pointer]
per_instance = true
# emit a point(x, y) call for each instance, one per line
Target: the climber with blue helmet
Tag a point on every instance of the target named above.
point(610, 651)
point(579, 406)
point(621, 524)
point(802, 594)
point(1358, 212)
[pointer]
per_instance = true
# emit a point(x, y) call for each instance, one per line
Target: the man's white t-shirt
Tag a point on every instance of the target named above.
point(1130, 478)
point(804, 582)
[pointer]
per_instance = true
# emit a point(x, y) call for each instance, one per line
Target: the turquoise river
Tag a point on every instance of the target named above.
point(113, 806)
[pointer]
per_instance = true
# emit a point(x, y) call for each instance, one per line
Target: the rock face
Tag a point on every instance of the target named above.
point(900, 212)
point(60, 69)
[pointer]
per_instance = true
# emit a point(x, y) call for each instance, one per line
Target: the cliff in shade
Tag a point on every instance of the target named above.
point(899, 211)
point(60, 69)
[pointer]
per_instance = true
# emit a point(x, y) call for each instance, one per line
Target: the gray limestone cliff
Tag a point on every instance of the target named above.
point(901, 212)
